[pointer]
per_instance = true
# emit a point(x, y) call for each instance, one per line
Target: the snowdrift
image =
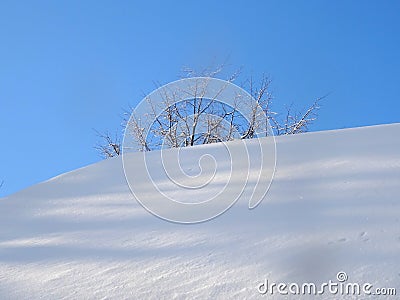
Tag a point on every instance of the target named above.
point(333, 206)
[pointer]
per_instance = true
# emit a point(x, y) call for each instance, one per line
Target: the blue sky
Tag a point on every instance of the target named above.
point(67, 67)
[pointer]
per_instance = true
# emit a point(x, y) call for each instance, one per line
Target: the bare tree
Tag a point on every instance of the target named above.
point(295, 122)
point(199, 120)
point(109, 146)
point(181, 122)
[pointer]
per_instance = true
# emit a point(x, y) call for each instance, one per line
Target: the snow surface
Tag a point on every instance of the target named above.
point(333, 206)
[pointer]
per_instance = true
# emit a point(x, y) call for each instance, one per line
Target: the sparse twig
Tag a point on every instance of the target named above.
point(109, 146)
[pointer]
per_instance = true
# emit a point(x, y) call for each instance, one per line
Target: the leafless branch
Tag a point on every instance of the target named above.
point(109, 146)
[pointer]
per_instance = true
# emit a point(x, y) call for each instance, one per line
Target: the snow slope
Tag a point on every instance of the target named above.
point(333, 206)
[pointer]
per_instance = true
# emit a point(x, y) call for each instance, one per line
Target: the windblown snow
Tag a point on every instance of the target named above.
point(333, 206)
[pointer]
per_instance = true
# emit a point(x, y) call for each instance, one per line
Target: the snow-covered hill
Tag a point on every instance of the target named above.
point(333, 206)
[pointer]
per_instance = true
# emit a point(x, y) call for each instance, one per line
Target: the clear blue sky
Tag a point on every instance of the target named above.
point(67, 67)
